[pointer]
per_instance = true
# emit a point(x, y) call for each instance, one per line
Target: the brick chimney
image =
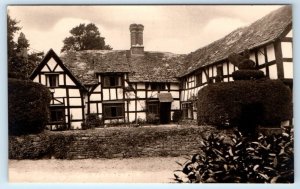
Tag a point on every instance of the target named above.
point(136, 36)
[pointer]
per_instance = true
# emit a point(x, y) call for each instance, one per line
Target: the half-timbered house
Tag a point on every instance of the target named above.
point(270, 41)
point(117, 85)
point(127, 85)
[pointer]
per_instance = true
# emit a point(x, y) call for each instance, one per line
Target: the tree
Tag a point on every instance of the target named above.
point(85, 37)
point(12, 28)
point(20, 62)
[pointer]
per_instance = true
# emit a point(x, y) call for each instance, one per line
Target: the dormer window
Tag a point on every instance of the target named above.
point(112, 81)
point(158, 86)
point(52, 80)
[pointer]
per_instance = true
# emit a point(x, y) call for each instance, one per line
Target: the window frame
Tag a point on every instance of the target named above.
point(107, 81)
point(112, 106)
point(57, 109)
point(49, 80)
point(155, 86)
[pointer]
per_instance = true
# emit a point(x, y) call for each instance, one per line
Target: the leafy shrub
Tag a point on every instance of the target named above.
point(223, 104)
point(27, 107)
point(269, 159)
point(29, 146)
point(177, 116)
point(92, 121)
point(152, 118)
point(59, 145)
point(139, 121)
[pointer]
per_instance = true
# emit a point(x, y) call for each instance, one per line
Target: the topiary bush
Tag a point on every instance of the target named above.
point(152, 118)
point(268, 159)
point(177, 116)
point(268, 102)
point(92, 121)
point(27, 107)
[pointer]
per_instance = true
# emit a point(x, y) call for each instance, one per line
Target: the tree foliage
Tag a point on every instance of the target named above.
point(20, 62)
point(85, 37)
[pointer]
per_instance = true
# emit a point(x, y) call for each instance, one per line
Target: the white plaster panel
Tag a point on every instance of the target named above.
point(93, 107)
point(76, 113)
point(51, 63)
point(141, 105)
point(290, 34)
point(99, 107)
point(76, 125)
point(61, 79)
point(141, 115)
point(74, 93)
point(287, 49)
point(45, 69)
point(252, 56)
point(105, 94)
point(131, 117)
point(273, 71)
point(271, 53)
point(120, 93)
point(58, 69)
point(141, 94)
point(175, 105)
point(36, 79)
point(75, 101)
point(60, 92)
point(95, 97)
point(231, 68)
point(113, 94)
point(288, 70)
point(69, 81)
point(261, 57)
point(43, 79)
point(131, 105)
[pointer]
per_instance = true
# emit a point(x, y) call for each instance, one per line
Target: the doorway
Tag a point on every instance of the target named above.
point(165, 112)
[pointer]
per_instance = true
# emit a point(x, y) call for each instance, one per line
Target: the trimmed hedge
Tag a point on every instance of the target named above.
point(268, 102)
point(247, 74)
point(27, 106)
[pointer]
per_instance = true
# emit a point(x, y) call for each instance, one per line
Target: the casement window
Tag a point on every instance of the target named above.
point(158, 86)
point(52, 80)
point(112, 81)
point(219, 76)
point(199, 79)
point(187, 110)
point(57, 115)
point(152, 107)
point(113, 111)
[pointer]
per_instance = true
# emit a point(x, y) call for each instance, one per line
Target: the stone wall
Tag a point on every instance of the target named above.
point(110, 143)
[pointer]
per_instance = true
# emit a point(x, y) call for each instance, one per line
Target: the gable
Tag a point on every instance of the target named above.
point(52, 63)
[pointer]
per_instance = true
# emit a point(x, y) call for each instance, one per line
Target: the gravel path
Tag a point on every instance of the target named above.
point(135, 170)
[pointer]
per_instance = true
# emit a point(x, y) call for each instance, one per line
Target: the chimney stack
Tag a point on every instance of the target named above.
point(136, 35)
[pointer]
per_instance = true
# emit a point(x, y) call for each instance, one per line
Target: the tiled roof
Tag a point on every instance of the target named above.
point(149, 67)
point(155, 67)
point(263, 31)
point(85, 64)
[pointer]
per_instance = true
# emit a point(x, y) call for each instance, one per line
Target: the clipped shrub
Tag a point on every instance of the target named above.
point(59, 145)
point(268, 159)
point(27, 107)
point(152, 118)
point(29, 146)
point(177, 116)
point(247, 74)
point(92, 121)
point(268, 102)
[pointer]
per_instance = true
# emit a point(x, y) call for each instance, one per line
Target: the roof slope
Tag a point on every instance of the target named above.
point(149, 67)
point(155, 67)
point(84, 64)
point(263, 31)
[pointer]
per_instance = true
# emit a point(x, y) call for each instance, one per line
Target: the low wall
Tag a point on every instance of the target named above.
point(110, 143)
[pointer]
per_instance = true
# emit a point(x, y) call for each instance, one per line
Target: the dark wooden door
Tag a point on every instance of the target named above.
point(165, 112)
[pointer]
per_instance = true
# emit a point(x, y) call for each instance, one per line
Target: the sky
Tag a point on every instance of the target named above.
point(178, 29)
